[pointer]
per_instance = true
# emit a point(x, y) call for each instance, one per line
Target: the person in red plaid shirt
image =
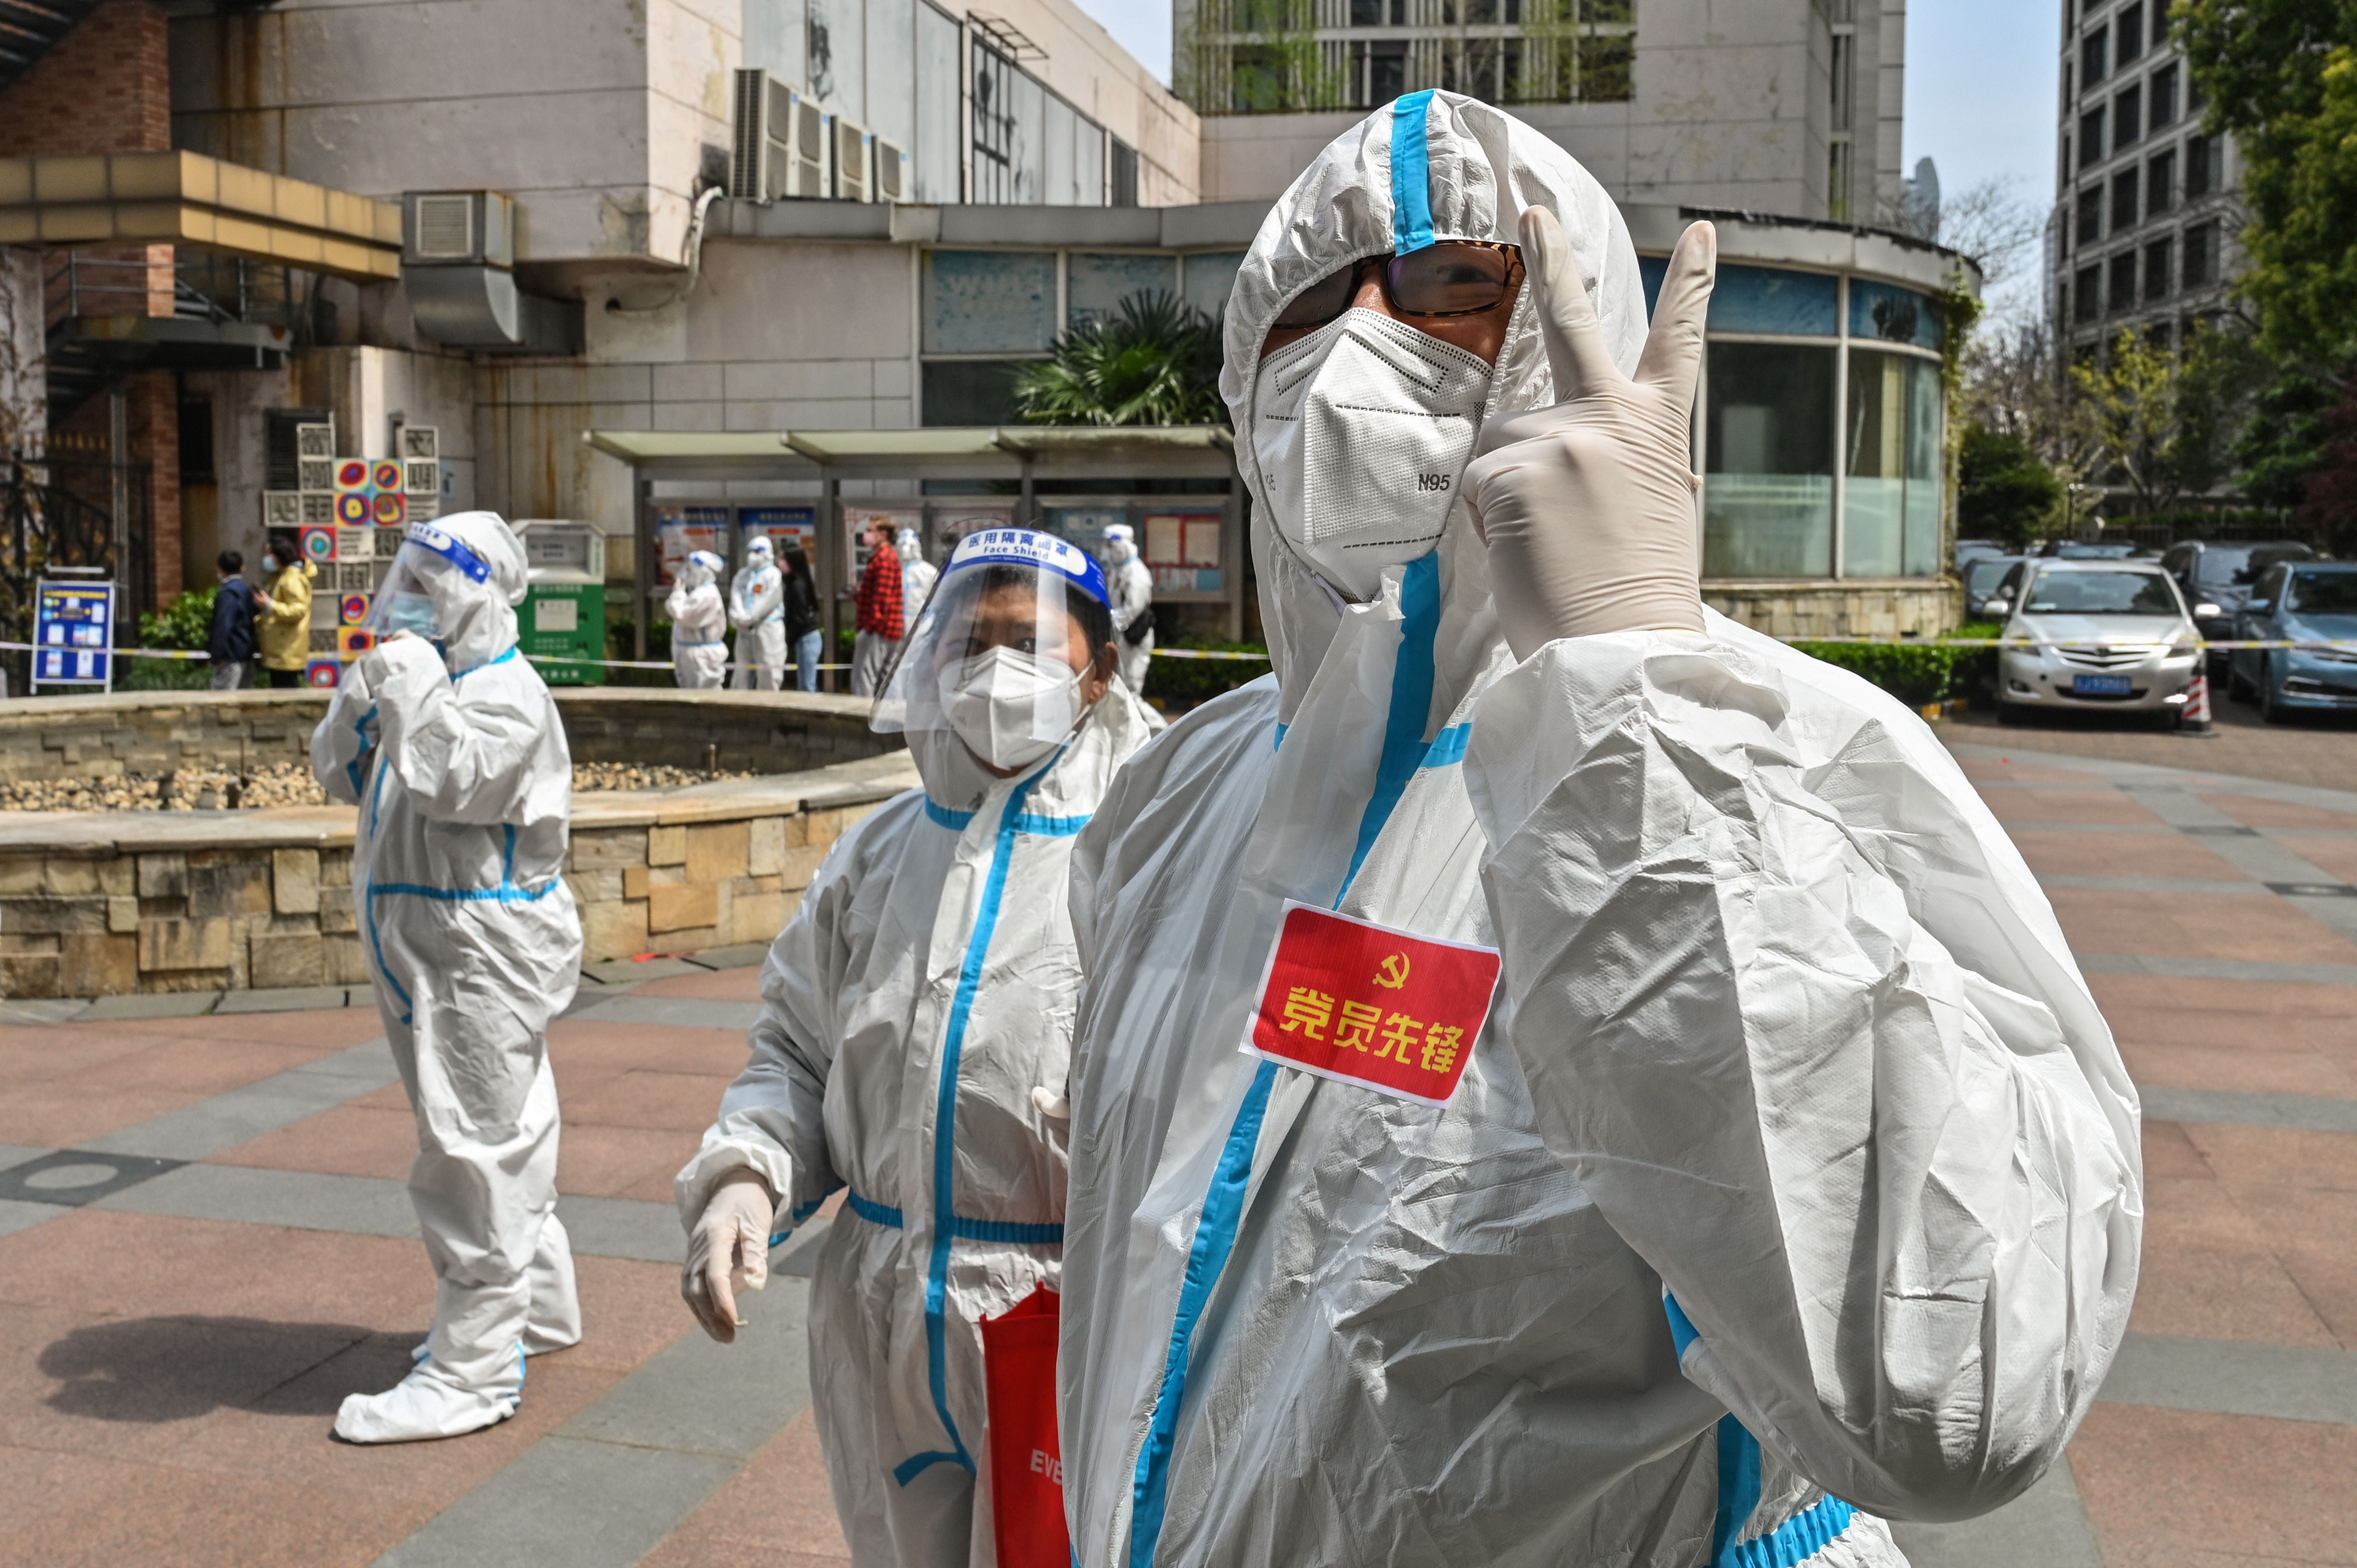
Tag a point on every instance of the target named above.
point(882, 623)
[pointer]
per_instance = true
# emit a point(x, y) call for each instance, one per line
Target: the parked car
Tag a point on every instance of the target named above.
point(2077, 550)
point(2220, 574)
point(1982, 575)
point(2127, 642)
point(1970, 549)
point(2298, 601)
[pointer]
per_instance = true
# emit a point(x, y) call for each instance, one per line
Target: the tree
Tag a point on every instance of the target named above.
point(2004, 490)
point(2161, 417)
point(2281, 444)
point(2281, 76)
point(1155, 363)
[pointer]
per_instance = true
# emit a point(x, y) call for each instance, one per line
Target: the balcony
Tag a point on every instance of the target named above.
point(109, 313)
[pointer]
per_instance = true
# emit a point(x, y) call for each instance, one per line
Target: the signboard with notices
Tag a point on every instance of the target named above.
point(799, 524)
point(73, 631)
point(680, 531)
point(1182, 548)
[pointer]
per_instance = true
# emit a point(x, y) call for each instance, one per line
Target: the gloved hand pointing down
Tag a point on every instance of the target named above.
point(1587, 506)
point(727, 1252)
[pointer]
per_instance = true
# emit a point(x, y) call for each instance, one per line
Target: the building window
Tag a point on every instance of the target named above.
point(1097, 282)
point(2122, 284)
point(989, 302)
point(1366, 13)
point(1892, 516)
point(2094, 60)
point(1386, 71)
point(1767, 487)
point(2062, 175)
point(1892, 315)
point(1122, 176)
point(1481, 13)
point(2124, 200)
point(2130, 29)
point(1258, 77)
point(2160, 184)
point(2069, 91)
point(2205, 166)
point(2091, 137)
point(1772, 300)
point(2087, 295)
point(1837, 181)
point(2162, 110)
point(1511, 66)
point(2128, 116)
point(1605, 62)
point(2090, 215)
point(2156, 271)
point(1845, 72)
point(2202, 255)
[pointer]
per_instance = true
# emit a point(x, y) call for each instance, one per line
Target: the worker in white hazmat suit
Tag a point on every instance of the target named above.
point(757, 610)
point(912, 1044)
point(699, 621)
point(1792, 1179)
point(1132, 583)
point(451, 746)
point(918, 574)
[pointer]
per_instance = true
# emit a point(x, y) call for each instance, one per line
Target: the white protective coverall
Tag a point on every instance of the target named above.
point(1792, 1103)
point(916, 576)
point(458, 764)
point(1132, 586)
point(699, 619)
point(757, 608)
point(925, 986)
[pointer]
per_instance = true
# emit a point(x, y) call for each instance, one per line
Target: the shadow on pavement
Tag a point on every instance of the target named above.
point(155, 1369)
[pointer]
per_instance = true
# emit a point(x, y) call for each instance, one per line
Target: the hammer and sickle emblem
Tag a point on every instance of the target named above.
point(1395, 972)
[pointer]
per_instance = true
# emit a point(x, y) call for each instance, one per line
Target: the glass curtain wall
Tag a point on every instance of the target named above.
point(1891, 525)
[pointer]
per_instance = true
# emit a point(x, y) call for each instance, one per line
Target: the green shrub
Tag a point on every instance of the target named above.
point(1915, 673)
point(1184, 683)
point(187, 622)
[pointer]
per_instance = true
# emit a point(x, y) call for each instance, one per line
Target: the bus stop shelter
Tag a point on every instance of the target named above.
point(1175, 485)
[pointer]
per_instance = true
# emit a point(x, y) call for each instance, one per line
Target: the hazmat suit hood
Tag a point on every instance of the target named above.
point(474, 618)
point(1464, 171)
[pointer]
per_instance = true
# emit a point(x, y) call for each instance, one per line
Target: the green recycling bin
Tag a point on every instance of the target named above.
point(561, 621)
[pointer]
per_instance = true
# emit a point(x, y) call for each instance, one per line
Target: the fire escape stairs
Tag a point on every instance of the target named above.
point(30, 28)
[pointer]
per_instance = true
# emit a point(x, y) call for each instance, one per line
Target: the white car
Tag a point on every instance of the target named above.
point(2119, 636)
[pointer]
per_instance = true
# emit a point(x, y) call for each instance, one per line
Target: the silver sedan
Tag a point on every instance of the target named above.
point(2115, 636)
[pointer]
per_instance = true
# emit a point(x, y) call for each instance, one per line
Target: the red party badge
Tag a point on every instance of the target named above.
point(1351, 1000)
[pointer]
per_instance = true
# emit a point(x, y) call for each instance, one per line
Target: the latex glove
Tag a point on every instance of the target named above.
point(727, 1252)
point(1588, 506)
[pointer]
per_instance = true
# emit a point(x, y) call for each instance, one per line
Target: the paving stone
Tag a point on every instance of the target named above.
point(302, 1201)
point(2046, 1526)
point(153, 1005)
point(673, 1009)
point(2229, 1378)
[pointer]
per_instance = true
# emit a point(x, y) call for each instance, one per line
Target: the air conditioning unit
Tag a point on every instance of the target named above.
point(853, 178)
point(890, 181)
point(457, 228)
point(781, 141)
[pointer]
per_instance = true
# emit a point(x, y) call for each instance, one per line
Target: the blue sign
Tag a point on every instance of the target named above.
point(73, 629)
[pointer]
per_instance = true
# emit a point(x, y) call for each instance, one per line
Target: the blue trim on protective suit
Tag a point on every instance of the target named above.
point(872, 1212)
point(508, 895)
point(1449, 746)
point(1412, 172)
point(1682, 1329)
point(353, 769)
point(1215, 1230)
point(1412, 678)
point(486, 664)
point(1738, 1485)
point(1051, 827)
point(941, 816)
point(937, 1276)
point(1006, 1232)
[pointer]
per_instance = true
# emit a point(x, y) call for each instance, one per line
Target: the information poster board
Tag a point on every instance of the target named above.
point(1182, 548)
point(859, 519)
point(1085, 526)
point(681, 531)
point(951, 523)
point(799, 524)
point(73, 632)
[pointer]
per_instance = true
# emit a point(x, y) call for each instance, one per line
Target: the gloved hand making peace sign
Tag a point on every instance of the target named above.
point(1587, 506)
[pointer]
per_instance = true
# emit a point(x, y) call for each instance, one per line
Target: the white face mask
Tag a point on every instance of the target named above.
point(1013, 708)
point(1364, 429)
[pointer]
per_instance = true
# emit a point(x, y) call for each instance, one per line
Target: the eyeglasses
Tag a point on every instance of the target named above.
point(1452, 277)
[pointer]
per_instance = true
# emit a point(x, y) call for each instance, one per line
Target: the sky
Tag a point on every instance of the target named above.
point(1980, 82)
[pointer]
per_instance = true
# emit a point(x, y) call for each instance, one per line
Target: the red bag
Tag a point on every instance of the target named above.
point(1026, 1465)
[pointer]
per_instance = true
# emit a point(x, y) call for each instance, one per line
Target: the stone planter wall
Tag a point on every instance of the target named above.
point(158, 732)
point(95, 904)
point(1895, 607)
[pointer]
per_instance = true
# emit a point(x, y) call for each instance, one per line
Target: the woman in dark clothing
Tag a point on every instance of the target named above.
point(802, 615)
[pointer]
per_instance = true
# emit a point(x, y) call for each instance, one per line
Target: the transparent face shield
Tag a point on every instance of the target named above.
point(1002, 653)
point(417, 594)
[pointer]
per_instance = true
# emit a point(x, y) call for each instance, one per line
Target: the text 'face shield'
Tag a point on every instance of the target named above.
point(1003, 648)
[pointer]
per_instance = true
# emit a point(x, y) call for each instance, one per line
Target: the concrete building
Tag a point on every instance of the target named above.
point(2145, 222)
point(501, 254)
point(1784, 106)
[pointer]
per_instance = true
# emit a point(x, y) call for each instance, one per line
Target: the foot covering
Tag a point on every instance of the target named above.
point(427, 1404)
point(539, 1342)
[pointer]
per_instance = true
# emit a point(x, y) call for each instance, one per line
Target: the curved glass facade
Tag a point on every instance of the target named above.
point(1823, 422)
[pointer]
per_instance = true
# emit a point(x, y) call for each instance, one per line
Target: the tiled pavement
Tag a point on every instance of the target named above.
point(204, 1245)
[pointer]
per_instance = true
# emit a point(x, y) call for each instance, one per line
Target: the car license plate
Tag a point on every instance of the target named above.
point(2100, 686)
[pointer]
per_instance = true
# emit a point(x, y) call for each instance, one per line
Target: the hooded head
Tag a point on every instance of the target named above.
point(456, 580)
point(1120, 543)
point(702, 567)
point(761, 555)
point(908, 547)
point(1352, 439)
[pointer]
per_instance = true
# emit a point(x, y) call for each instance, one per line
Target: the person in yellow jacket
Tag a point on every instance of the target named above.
point(285, 619)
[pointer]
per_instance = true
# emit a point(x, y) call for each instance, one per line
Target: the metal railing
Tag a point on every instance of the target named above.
point(196, 285)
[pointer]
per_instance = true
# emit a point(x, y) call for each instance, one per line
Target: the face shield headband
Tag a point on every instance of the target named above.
point(406, 600)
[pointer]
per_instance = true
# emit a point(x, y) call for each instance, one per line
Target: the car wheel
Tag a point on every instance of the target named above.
point(2270, 710)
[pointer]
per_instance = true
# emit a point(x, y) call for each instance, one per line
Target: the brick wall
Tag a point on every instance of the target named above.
point(106, 88)
point(114, 918)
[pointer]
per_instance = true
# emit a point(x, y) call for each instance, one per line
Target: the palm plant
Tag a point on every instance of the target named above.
point(1156, 361)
